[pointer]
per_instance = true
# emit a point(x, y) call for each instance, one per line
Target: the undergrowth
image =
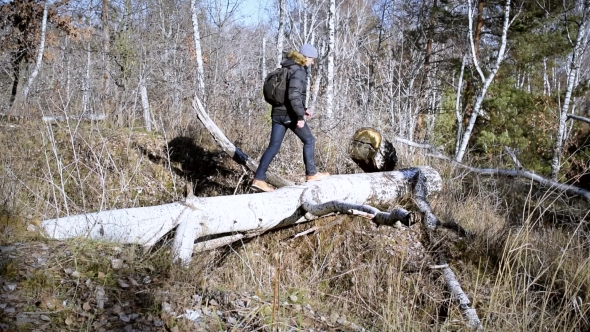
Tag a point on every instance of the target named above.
point(523, 261)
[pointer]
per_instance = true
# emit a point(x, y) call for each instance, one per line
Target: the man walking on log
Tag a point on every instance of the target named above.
point(291, 114)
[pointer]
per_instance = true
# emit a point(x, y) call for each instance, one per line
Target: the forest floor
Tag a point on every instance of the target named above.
point(345, 275)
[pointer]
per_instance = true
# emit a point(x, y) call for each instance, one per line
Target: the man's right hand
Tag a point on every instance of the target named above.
point(300, 123)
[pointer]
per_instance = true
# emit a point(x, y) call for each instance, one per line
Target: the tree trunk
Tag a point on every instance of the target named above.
point(574, 68)
point(145, 104)
point(318, 79)
point(86, 85)
point(263, 60)
point(250, 215)
point(105, 47)
point(281, 33)
point(478, 26)
point(39, 61)
point(330, 73)
point(458, 107)
point(15, 77)
point(485, 81)
point(198, 53)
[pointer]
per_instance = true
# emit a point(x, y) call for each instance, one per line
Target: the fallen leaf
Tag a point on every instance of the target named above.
point(122, 283)
point(68, 321)
point(86, 306)
point(9, 286)
point(117, 264)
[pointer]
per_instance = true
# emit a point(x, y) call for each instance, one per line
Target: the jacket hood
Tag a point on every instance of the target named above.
point(293, 57)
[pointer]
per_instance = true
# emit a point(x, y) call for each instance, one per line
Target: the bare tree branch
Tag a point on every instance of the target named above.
point(577, 117)
point(522, 173)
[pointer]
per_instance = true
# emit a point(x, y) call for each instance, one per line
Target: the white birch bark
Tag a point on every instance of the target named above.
point(330, 71)
point(458, 107)
point(264, 73)
point(318, 79)
point(303, 12)
point(250, 214)
point(486, 81)
point(67, 67)
point(281, 33)
point(145, 105)
point(39, 61)
point(546, 84)
point(83, 117)
point(459, 295)
point(198, 52)
point(86, 87)
point(105, 45)
point(574, 67)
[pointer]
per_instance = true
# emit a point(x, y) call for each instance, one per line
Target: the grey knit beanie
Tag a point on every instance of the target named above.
point(308, 51)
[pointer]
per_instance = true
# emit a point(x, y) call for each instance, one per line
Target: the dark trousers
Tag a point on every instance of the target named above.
point(280, 124)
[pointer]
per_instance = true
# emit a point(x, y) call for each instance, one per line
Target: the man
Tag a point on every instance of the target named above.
point(292, 115)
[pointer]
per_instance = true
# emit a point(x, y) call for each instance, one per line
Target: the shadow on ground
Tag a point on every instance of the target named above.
point(207, 171)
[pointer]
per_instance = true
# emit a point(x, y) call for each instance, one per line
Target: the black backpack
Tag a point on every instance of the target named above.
point(275, 86)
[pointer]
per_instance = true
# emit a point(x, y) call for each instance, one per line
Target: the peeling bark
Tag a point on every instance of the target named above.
point(250, 214)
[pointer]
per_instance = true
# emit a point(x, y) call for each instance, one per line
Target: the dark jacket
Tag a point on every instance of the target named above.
point(297, 87)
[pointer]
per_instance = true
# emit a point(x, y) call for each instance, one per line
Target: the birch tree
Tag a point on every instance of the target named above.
point(145, 104)
point(579, 46)
point(263, 64)
point(198, 52)
point(281, 32)
point(39, 61)
point(330, 71)
point(86, 85)
point(105, 46)
point(458, 107)
point(485, 81)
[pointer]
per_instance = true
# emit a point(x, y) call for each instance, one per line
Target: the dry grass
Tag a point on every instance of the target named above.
point(524, 262)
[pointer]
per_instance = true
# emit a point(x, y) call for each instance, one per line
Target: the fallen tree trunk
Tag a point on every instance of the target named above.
point(240, 215)
point(83, 117)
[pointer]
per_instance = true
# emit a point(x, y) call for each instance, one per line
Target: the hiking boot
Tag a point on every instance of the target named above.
point(261, 186)
point(317, 176)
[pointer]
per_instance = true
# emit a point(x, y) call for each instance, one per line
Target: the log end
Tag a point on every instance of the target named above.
point(371, 152)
